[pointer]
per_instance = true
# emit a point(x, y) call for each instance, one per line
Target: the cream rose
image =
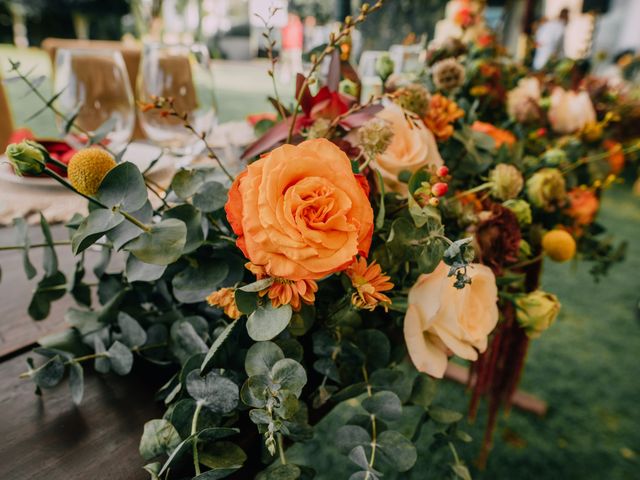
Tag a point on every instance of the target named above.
point(523, 101)
point(442, 320)
point(411, 149)
point(570, 111)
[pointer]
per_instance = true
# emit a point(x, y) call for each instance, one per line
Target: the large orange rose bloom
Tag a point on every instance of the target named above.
point(300, 212)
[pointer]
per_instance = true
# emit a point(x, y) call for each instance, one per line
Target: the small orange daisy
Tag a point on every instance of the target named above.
point(226, 300)
point(441, 114)
point(285, 292)
point(369, 282)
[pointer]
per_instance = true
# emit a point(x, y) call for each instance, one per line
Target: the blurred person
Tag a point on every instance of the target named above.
point(292, 40)
point(550, 39)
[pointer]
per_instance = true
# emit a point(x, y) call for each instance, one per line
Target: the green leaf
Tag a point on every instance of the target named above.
point(207, 363)
point(288, 405)
point(103, 130)
point(99, 222)
point(350, 436)
point(158, 438)
point(127, 231)
point(186, 183)
point(290, 375)
point(416, 180)
point(257, 286)
point(120, 357)
point(153, 469)
point(123, 187)
point(444, 415)
point(101, 362)
point(396, 450)
point(222, 457)
point(211, 196)
point(49, 259)
point(247, 302)
point(261, 357)
point(131, 333)
point(137, 271)
point(76, 382)
point(214, 391)
point(255, 391)
point(431, 255)
point(302, 320)
point(22, 238)
point(193, 284)
point(375, 346)
point(185, 341)
point(424, 391)
point(162, 245)
point(267, 322)
point(49, 374)
point(461, 471)
point(385, 405)
point(48, 290)
point(288, 471)
point(192, 218)
point(381, 210)
point(177, 453)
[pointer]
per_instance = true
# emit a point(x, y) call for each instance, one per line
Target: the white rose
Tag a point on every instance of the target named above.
point(524, 100)
point(442, 320)
point(570, 111)
point(412, 148)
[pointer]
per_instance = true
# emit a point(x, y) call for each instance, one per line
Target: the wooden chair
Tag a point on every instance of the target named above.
point(130, 53)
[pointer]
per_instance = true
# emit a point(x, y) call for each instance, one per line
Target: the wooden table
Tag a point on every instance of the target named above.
point(48, 437)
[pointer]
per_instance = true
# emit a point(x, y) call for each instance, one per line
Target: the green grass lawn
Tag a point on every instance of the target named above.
point(584, 366)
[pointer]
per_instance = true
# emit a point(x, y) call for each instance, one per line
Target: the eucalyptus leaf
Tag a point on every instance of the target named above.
point(185, 341)
point(101, 362)
point(49, 374)
point(384, 405)
point(131, 333)
point(162, 245)
point(127, 231)
point(375, 346)
point(97, 223)
point(261, 357)
point(76, 382)
point(49, 289)
point(120, 357)
point(267, 322)
point(123, 187)
point(288, 471)
point(444, 415)
point(49, 257)
point(255, 391)
point(210, 197)
point(138, 271)
point(396, 450)
point(158, 438)
point(350, 436)
point(22, 238)
point(290, 375)
point(186, 183)
point(424, 391)
point(193, 284)
point(214, 391)
point(222, 456)
point(192, 218)
point(247, 302)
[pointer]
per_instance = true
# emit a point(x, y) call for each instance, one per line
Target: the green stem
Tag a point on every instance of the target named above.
point(599, 156)
point(194, 429)
point(135, 221)
point(43, 245)
point(62, 181)
point(374, 430)
point(479, 188)
point(283, 459)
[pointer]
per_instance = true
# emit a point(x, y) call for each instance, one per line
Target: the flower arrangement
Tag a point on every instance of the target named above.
point(364, 244)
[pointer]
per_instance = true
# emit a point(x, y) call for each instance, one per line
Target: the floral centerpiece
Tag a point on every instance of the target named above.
point(365, 243)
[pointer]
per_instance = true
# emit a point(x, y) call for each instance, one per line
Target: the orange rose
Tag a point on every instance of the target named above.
point(616, 156)
point(499, 135)
point(300, 212)
point(583, 205)
point(441, 114)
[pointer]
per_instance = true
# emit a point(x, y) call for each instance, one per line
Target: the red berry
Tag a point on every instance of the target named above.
point(439, 189)
point(443, 171)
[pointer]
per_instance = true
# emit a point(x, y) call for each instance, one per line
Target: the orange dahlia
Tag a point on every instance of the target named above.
point(369, 282)
point(441, 114)
point(283, 291)
point(225, 299)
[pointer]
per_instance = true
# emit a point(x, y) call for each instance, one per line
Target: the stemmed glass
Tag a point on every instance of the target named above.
point(95, 97)
point(183, 73)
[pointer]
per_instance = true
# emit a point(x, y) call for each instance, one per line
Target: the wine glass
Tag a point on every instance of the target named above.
point(182, 73)
point(95, 98)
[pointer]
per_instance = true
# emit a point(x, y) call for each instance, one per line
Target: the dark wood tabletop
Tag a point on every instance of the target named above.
point(48, 437)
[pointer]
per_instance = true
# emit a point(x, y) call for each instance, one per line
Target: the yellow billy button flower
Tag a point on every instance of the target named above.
point(559, 245)
point(226, 300)
point(369, 282)
point(88, 167)
point(536, 311)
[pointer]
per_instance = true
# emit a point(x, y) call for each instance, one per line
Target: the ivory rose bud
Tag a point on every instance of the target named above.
point(412, 148)
point(521, 209)
point(523, 102)
point(26, 157)
point(570, 111)
point(546, 189)
point(442, 320)
point(536, 311)
point(300, 212)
